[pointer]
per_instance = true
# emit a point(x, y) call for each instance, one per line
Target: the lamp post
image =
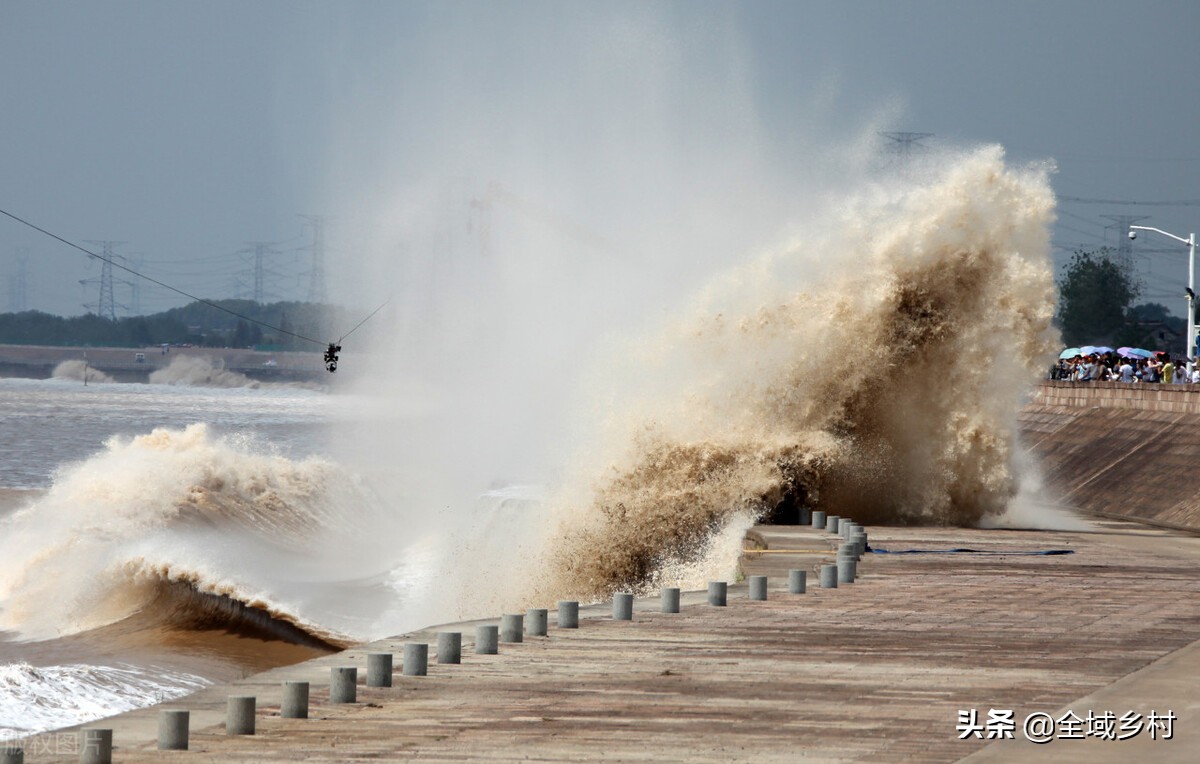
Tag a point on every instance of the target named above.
point(1190, 241)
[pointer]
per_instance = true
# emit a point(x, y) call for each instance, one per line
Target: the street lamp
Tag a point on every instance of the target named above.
point(1190, 241)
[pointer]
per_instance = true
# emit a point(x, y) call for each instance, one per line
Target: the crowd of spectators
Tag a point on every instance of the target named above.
point(1111, 367)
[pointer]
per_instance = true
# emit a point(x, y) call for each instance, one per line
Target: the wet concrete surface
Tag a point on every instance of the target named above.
point(884, 669)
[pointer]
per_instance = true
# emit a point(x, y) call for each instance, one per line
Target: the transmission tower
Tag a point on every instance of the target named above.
point(106, 306)
point(316, 280)
point(1124, 245)
point(135, 287)
point(18, 284)
point(260, 250)
point(904, 145)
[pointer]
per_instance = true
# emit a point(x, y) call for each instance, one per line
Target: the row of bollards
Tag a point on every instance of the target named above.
point(849, 553)
point(96, 744)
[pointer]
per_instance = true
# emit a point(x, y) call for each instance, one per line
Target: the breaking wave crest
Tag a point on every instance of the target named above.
point(201, 371)
point(74, 369)
point(177, 528)
point(871, 370)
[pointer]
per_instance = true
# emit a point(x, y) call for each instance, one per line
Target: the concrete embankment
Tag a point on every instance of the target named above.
point(1118, 450)
point(884, 669)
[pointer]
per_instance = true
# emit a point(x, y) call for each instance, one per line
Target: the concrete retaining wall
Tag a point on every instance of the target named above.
point(1146, 397)
point(1119, 450)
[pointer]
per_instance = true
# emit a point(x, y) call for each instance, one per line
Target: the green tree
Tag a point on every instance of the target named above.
point(1094, 296)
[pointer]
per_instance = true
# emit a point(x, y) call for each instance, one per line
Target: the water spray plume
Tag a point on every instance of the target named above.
point(886, 389)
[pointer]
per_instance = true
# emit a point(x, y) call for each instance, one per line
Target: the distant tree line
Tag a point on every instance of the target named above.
point(193, 324)
point(1096, 293)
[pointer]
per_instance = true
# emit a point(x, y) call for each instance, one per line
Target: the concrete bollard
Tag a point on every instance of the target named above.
point(846, 570)
point(831, 523)
point(758, 587)
point(512, 627)
point(848, 549)
point(805, 516)
point(568, 614)
point(416, 659)
point(622, 606)
point(829, 576)
point(239, 715)
point(818, 519)
point(797, 581)
point(536, 619)
point(379, 670)
point(669, 599)
point(717, 593)
point(449, 647)
point(295, 700)
point(173, 730)
point(343, 684)
point(860, 540)
point(95, 746)
point(11, 754)
point(487, 640)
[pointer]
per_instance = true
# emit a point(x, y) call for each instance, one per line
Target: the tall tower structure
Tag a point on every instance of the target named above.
point(259, 271)
point(1124, 245)
point(904, 145)
point(106, 306)
point(18, 284)
point(316, 276)
point(135, 287)
point(259, 251)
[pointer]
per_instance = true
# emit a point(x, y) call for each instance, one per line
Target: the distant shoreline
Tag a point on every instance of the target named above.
point(124, 365)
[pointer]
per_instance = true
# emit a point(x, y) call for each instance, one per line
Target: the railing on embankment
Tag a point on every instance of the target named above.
point(1120, 450)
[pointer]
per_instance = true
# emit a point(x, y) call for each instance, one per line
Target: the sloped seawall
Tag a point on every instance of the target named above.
point(1119, 450)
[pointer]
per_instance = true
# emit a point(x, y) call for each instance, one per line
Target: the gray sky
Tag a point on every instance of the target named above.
point(187, 129)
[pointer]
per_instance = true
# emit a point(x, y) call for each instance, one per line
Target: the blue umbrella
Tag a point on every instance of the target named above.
point(1103, 349)
point(1141, 353)
point(1070, 353)
point(1089, 350)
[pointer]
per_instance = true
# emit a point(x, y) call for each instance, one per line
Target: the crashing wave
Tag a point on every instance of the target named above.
point(197, 532)
point(874, 371)
point(75, 369)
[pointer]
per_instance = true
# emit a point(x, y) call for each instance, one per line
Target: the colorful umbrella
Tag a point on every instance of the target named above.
point(1142, 353)
point(1089, 350)
point(1127, 353)
point(1070, 353)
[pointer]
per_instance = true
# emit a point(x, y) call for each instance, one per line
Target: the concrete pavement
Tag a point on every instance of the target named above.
point(881, 669)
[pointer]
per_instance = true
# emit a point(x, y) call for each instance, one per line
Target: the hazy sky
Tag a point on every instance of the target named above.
point(187, 129)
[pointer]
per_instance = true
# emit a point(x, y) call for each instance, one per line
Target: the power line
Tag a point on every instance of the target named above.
point(260, 250)
point(1124, 245)
point(135, 299)
point(1078, 231)
point(1124, 202)
point(1080, 218)
point(109, 263)
point(316, 283)
point(106, 305)
point(905, 144)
